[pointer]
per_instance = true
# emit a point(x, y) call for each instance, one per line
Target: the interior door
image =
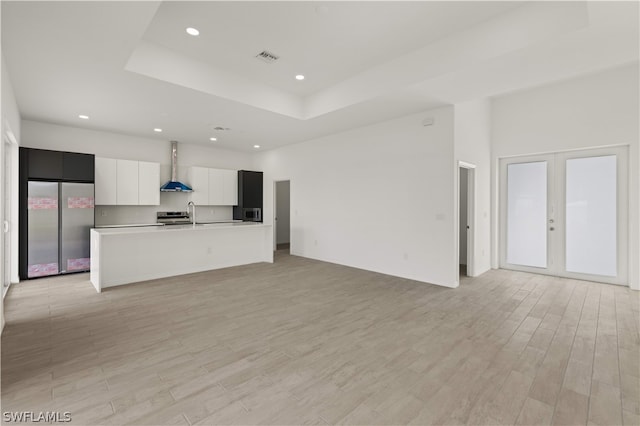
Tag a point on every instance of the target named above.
point(565, 214)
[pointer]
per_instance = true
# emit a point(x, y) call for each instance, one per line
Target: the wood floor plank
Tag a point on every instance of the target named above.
point(535, 413)
point(306, 342)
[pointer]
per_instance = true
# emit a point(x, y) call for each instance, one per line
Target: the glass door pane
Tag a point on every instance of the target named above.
point(591, 215)
point(527, 214)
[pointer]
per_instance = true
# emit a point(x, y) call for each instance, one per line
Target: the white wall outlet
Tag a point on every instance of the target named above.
point(315, 242)
point(405, 256)
point(208, 250)
point(103, 213)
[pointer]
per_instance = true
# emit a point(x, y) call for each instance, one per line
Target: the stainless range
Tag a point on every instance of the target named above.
point(173, 218)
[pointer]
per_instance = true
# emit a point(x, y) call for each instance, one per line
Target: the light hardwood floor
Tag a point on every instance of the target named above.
point(307, 342)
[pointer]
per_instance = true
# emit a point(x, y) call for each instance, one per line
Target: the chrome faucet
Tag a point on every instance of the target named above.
point(193, 216)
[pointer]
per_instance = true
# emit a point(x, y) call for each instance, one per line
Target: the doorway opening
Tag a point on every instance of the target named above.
point(282, 216)
point(466, 215)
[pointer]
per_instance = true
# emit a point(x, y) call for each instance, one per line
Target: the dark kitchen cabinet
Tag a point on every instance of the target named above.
point(51, 228)
point(43, 164)
point(78, 167)
point(249, 195)
point(250, 189)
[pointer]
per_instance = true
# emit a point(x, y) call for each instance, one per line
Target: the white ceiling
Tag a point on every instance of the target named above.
point(131, 67)
point(325, 41)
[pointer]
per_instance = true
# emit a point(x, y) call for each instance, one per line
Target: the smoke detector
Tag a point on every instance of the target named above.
point(268, 57)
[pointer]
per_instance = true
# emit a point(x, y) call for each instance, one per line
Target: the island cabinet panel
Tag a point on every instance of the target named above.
point(127, 255)
point(214, 187)
point(148, 183)
point(126, 182)
point(106, 170)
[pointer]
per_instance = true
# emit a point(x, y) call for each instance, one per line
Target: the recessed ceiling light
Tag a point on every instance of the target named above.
point(84, 117)
point(157, 130)
point(192, 31)
point(213, 139)
point(256, 146)
point(299, 77)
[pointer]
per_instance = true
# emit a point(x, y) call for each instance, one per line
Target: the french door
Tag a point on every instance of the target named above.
point(565, 214)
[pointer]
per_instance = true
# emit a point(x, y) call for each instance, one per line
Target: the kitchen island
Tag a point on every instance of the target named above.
point(127, 255)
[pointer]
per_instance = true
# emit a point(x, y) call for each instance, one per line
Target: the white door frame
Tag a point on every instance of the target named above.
point(471, 218)
point(275, 212)
point(9, 143)
point(556, 169)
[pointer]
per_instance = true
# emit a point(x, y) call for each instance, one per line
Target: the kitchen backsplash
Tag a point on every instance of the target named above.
point(126, 215)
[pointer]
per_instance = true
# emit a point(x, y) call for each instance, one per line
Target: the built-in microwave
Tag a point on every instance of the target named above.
point(252, 215)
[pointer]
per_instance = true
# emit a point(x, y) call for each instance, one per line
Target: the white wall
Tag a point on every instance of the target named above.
point(10, 113)
point(283, 212)
point(591, 111)
point(114, 145)
point(9, 129)
point(377, 197)
point(473, 145)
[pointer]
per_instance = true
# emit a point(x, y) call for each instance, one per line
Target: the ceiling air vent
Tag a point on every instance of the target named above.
point(267, 56)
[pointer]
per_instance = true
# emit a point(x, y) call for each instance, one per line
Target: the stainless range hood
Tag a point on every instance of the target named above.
point(174, 185)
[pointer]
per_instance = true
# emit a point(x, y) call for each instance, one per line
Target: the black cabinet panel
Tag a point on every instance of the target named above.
point(44, 164)
point(249, 193)
point(251, 189)
point(78, 167)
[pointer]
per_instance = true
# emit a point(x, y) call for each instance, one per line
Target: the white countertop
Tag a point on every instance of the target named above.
point(175, 228)
point(133, 225)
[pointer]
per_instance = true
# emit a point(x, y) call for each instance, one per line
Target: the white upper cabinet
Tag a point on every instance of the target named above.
point(214, 187)
point(199, 181)
point(105, 181)
point(230, 195)
point(148, 183)
point(126, 182)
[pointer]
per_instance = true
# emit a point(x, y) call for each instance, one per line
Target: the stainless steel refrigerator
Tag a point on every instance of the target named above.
point(60, 217)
